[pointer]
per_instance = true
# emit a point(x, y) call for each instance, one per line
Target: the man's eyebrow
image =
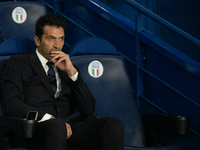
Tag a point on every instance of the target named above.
point(62, 36)
point(51, 36)
point(55, 37)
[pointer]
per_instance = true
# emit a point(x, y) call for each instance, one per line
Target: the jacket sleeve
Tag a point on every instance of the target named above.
point(83, 99)
point(13, 92)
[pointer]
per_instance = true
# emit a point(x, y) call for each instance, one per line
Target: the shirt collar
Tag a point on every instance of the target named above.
point(41, 58)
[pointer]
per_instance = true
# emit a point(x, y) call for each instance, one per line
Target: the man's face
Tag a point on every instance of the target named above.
point(52, 40)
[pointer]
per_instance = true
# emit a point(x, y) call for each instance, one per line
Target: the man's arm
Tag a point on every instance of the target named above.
point(83, 98)
point(13, 91)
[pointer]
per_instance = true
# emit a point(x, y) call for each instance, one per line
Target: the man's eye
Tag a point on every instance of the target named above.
point(61, 39)
point(50, 39)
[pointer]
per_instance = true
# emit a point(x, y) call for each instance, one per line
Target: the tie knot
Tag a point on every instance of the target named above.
point(50, 64)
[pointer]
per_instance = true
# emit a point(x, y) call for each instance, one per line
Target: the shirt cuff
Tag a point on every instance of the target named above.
point(45, 117)
point(74, 77)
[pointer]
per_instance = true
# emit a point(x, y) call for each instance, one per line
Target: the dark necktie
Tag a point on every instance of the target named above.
point(52, 77)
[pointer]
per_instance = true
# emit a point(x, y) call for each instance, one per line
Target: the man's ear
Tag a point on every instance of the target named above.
point(37, 40)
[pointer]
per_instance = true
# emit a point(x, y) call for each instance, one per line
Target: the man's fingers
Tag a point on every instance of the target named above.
point(61, 59)
point(57, 56)
point(69, 130)
point(63, 63)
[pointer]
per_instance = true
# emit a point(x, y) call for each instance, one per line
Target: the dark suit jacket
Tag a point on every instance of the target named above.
point(26, 88)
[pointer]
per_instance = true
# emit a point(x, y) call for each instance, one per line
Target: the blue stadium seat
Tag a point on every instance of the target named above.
point(89, 46)
point(106, 75)
point(109, 81)
point(17, 45)
point(18, 18)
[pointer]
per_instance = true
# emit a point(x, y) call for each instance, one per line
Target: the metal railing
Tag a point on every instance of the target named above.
point(163, 22)
point(142, 10)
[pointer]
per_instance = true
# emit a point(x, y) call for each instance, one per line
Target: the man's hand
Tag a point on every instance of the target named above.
point(68, 127)
point(69, 130)
point(52, 117)
point(63, 62)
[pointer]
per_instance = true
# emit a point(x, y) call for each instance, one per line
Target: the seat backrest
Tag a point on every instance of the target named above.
point(108, 79)
point(13, 46)
point(17, 45)
point(18, 18)
point(93, 45)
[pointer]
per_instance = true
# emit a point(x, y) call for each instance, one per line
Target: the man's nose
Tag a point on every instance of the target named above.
point(56, 44)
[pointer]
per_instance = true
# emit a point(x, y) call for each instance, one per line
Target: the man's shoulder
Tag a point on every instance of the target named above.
point(19, 61)
point(21, 58)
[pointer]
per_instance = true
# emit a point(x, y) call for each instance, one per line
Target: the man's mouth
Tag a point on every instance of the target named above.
point(55, 49)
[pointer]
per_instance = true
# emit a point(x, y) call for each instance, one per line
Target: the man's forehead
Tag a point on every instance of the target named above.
point(53, 30)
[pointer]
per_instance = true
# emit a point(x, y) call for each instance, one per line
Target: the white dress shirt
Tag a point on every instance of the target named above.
point(59, 86)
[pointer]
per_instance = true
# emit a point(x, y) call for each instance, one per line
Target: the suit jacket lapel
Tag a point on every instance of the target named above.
point(37, 66)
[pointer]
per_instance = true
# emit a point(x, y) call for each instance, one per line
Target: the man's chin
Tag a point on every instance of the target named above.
point(48, 58)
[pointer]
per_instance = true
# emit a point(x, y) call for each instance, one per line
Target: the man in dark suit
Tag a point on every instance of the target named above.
point(46, 81)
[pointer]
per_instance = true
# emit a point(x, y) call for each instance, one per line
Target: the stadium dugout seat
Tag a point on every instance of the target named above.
point(18, 18)
point(106, 76)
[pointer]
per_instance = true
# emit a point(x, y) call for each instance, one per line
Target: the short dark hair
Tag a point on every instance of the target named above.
point(48, 19)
